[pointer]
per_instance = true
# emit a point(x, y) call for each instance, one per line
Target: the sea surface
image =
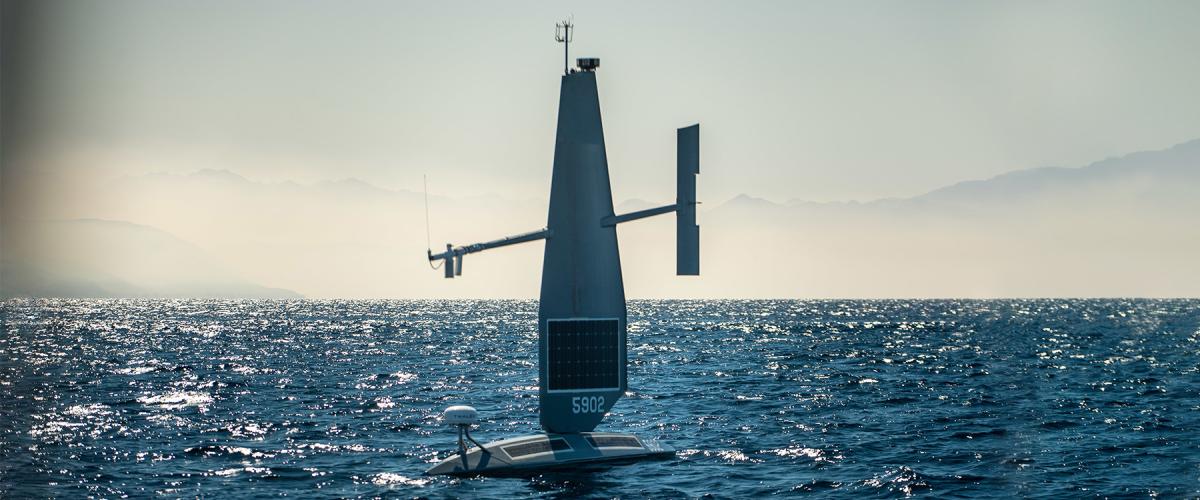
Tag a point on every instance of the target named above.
point(857, 398)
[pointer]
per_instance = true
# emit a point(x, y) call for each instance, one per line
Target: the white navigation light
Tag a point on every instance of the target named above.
point(460, 415)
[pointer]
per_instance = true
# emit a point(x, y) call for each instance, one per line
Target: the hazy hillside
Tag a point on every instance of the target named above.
point(1148, 180)
point(1119, 227)
point(344, 238)
point(99, 258)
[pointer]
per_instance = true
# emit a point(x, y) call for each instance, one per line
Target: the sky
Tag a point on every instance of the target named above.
point(111, 108)
point(798, 100)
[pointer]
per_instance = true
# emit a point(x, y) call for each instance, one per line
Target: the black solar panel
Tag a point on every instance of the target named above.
point(583, 354)
point(541, 446)
point(614, 442)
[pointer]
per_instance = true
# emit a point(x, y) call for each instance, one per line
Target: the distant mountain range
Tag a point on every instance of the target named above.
point(100, 258)
point(1120, 227)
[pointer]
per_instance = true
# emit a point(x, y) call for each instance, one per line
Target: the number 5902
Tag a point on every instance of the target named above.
point(587, 404)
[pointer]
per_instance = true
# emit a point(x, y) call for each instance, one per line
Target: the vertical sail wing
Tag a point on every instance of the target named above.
point(687, 233)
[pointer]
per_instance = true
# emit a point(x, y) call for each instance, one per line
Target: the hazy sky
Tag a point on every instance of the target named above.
point(811, 100)
point(128, 114)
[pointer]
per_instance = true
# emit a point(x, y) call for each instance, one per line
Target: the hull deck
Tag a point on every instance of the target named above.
point(544, 451)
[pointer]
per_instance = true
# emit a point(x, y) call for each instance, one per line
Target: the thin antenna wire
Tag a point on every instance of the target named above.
point(428, 243)
point(428, 240)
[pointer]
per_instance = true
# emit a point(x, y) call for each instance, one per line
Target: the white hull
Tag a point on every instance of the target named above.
point(540, 451)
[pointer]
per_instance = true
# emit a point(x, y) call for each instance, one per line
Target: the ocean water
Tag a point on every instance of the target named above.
point(947, 398)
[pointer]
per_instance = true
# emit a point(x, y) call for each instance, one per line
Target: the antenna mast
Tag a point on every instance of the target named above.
point(564, 32)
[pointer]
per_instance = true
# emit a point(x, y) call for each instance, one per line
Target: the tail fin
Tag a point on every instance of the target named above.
point(687, 233)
